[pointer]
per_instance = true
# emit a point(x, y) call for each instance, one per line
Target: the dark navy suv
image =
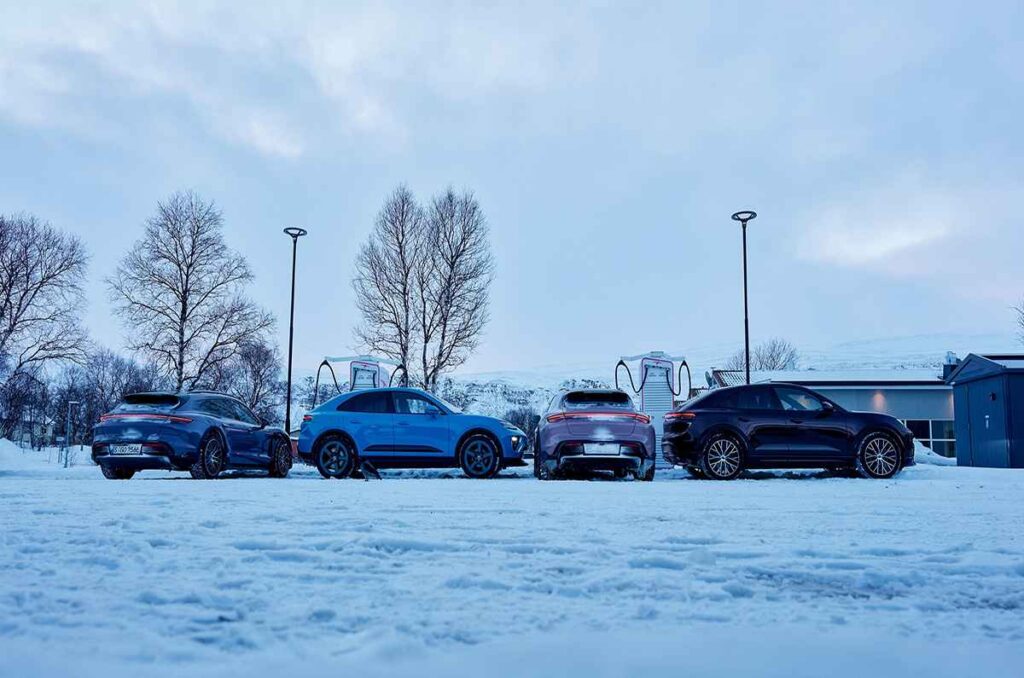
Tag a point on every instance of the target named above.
point(720, 433)
point(201, 432)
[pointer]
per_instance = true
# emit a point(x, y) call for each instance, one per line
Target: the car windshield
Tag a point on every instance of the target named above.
point(454, 408)
point(586, 399)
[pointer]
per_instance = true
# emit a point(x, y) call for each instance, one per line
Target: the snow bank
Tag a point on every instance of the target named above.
point(924, 455)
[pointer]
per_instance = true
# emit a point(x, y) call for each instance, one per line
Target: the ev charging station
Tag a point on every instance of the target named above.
point(658, 389)
point(364, 371)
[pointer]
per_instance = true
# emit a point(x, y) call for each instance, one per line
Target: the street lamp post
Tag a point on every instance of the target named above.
point(743, 217)
point(295, 233)
point(67, 433)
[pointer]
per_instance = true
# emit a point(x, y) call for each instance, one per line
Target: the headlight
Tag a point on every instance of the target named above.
point(515, 442)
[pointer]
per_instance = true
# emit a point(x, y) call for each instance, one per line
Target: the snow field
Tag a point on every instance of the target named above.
point(427, 574)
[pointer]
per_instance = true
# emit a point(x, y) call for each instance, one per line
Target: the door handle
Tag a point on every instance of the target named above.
point(743, 419)
point(402, 423)
point(797, 421)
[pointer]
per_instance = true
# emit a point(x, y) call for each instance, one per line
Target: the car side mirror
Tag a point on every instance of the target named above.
point(827, 408)
point(264, 423)
point(432, 411)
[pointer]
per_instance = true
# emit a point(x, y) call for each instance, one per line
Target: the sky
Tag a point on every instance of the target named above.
point(607, 143)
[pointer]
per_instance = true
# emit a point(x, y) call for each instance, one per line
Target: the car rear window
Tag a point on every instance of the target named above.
point(583, 399)
point(136, 402)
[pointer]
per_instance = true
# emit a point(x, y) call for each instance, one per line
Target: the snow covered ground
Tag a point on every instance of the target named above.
point(787, 574)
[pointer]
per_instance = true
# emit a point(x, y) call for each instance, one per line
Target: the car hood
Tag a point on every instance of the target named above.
point(493, 423)
point(882, 420)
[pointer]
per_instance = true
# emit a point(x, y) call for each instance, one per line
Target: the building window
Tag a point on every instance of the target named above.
point(920, 428)
point(935, 434)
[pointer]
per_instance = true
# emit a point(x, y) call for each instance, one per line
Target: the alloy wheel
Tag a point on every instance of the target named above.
point(334, 457)
point(213, 456)
point(478, 457)
point(880, 456)
point(723, 457)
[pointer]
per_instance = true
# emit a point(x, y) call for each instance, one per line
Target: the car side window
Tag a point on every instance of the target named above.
point(756, 399)
point(219, 408)
point(797, 400)
point(242, 413)
point(411, 403)
point(377, 402)
point(728, 400)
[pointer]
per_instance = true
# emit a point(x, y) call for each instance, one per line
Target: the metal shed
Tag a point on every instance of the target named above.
point(988, 400)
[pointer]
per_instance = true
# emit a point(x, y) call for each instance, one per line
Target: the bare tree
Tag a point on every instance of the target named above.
point(451, 284)
point(774, 354)
point(41, 270)
point(179, 290)
point(253, 375)
point(1019, 310)
point(384, 277)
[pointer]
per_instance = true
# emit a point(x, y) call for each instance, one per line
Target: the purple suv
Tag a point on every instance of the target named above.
point(593, 430)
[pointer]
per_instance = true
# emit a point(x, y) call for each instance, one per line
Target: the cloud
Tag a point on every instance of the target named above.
point(879, 228)
point(268, 78)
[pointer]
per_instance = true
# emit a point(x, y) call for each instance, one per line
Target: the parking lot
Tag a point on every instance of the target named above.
point(163, 573)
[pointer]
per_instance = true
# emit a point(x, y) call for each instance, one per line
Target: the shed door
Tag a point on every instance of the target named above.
point(988, 423)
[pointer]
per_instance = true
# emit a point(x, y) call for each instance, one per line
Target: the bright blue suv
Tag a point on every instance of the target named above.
point(405, 428)
point(201, 432)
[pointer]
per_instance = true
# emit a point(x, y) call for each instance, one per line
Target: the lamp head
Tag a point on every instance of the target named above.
point(295, 232)
point(744, 216)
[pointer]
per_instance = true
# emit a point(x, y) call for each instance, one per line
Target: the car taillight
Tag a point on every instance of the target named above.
point(602, 416)
point(152, 417)
point(676, 416)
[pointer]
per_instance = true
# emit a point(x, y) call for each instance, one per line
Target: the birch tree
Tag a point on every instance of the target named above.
point(41, 300)
point(180, 292)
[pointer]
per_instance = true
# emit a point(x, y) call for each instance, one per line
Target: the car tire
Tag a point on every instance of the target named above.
point(878, 456)
point(646, 477)
point(280, 459)
point(721, 457)
point(111, 473)
point(538, 459)
point(212, 458)
point(479, 457)
point(335, 457)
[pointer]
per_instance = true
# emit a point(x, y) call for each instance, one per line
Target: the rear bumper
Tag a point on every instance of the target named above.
point(569, 457)
point(140, 462)
point(679, 449)
point(594, 462)
point(156, 456)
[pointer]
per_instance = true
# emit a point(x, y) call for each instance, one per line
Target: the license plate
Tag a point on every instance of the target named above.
point(125, 449)
point(601, 448)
